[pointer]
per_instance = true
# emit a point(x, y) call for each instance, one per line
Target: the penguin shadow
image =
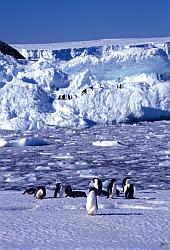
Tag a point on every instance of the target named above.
point(118, 214)
point(50, 197)
point(141, 198)
point(148, 198)
point(149, 192)
point(135, 198)
point(16, 208)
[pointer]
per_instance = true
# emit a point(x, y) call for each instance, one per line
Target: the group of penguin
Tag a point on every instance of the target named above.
point(84, 92)
point(96, 189)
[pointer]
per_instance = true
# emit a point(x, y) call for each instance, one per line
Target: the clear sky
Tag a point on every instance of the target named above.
point(43, 21)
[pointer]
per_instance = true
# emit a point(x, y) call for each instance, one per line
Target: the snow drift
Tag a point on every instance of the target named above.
point(84, 86)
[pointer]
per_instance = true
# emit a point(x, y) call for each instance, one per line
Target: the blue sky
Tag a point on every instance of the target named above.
point(42, 21)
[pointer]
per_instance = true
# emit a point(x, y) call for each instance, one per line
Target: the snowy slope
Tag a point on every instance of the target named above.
point(85, 83)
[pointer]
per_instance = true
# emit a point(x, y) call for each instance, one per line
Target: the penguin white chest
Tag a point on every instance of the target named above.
point(91, 204)
point(39, 194)
point(113, 192)
point(126, 187)
point(61, 192)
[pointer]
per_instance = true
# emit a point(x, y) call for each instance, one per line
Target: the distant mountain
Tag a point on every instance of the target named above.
point(8, 50)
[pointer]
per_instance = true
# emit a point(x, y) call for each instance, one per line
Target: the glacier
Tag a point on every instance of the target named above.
point(85, 83)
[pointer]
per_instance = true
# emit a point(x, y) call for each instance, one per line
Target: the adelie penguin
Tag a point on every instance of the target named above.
point(91, 203)
point(124, 182)
point(129, 189)
point(112, 190)
point(59, 190)
point(76, 193)
point(30, 190)
point(40, 192)
point(97, 183)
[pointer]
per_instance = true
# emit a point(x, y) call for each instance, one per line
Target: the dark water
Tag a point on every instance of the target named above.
point(142, 151)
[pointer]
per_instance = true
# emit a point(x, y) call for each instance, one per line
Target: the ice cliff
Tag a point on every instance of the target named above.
point(84, 86)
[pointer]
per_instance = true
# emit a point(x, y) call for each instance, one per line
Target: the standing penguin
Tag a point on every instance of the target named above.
point(59, 190)
point(112, 190)
point(129, 189)
point(124, 182)
point(97, 183)
point(40, 192)
point(91, 204)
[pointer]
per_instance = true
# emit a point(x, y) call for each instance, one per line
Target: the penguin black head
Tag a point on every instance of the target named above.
point(113, 181)
point(124, 182)
point(110, 190)
point(58, 186)
point(98, 185)
point(57, 189)
point(68, 190)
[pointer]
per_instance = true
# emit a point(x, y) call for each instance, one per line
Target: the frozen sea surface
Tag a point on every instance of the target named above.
point(74, 156)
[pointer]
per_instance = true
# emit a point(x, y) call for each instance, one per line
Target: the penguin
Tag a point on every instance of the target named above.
point(70, 97)
point(59, 190)
point(68, 190)
point(91, 203)
point(129, 190)
point(76, 193)
point(84, 92)
point(112, 190)
point(97, 183)
point(40, 192)
point(30, 190)
point(124, 182)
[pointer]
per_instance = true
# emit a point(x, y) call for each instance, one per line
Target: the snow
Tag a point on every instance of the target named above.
point(87, 44)
point(85, 83)
point(63, 223)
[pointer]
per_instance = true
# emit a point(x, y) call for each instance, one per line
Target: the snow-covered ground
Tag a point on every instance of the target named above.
point(85, 83)
point(87, 44)
point(63, 223)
